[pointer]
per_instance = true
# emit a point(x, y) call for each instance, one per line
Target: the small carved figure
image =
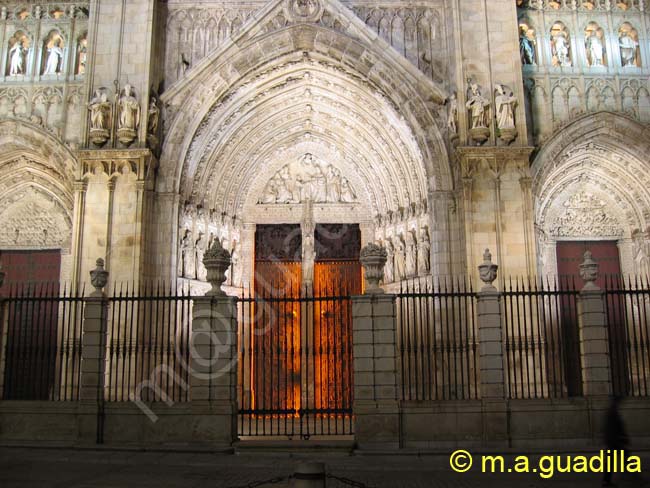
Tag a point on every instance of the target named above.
point(561, 50)
point(82, 56)
point(99, 110)
point(400, 258)
point(452, 117)
point(628, 48)
point(505, 103)
point(595, 49)
point(199, 252)
point(424, 252)
point(527, 46)
point(389, 269)
point(411, 255)
point(477, 105)
point(187, 256)
point(128, 109)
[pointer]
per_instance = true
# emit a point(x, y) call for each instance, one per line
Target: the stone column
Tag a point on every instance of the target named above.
point(213, 358)
point(93, 360)
point(376, 405)
point(594, 336)
point(495, 419)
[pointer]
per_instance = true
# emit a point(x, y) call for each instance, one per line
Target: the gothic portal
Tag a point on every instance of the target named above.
point(437, 129)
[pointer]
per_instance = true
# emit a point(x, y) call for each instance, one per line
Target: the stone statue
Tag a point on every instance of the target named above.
point(17, 59)
point(347, 195)
point(199, 251)
point(389, 269)
point(235, 273)
point(128, 113)
point(308, 257)
point(99, 110)
point(595, 49)
point(628, 48)
point(477, 105)
point(153, 117)
point(561, 50)
point(505, 103)
point(452, 117)
point(82, 56)
point(333, 178)
point(400, 263)
point(411, 255)
point(527, 47)
point(54, 59)
point(187, 256)
point(424, 252)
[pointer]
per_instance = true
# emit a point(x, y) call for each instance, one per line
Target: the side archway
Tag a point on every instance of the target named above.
point(36, 192)
point(592, 182)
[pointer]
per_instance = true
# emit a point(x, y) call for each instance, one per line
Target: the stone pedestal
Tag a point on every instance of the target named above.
point(594, 344)
point(376, 406)
point(214, 371)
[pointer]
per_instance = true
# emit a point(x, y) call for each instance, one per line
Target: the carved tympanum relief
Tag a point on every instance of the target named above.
point(33, 219)
point(585, 215)
point(308, 179)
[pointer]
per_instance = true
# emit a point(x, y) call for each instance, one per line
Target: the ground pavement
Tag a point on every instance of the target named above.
point(68, 468)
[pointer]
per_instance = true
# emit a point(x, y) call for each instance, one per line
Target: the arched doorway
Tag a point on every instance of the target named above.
point(307, 138)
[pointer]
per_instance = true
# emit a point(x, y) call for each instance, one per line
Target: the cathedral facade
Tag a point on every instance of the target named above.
point(142, 131)
point(261, 152)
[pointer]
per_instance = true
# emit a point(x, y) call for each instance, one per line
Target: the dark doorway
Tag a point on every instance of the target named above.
point(570, 254)
point(31, 349)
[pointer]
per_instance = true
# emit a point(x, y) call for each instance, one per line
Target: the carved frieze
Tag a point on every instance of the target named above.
point(585, 216)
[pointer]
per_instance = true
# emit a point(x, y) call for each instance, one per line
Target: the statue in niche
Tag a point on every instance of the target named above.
point(560, 45)
point(479, 112)
point(128, 110)
point(17, 55)
point(411, 255)
point(82, 55)
point(54, 61)
point(199, 252)
point(389, 269)
point(505, 103)
point(400, 258)
point(153, 116)
point(308, 179)
point(187, 256)
point(527, 45)
point(595, 49)
point(628, 46)
point(424, 252)
point(452, 116)
point(100, 114)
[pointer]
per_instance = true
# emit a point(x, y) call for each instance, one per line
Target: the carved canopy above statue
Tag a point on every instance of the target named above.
point(308, 179)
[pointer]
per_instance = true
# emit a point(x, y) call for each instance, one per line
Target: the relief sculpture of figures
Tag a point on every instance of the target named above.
point(424, 252)
point(308, 179)
point(128, 110)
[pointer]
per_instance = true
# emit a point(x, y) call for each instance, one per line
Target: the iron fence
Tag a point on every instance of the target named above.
point(295, 363)
point(542, 352)
point(148, 344)
point(627, 303)
point(41, 342)
point(437, 340)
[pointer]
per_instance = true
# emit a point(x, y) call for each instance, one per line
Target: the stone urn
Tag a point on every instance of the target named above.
point(216, 260)
point(373, 259)
point(589, 272)
point(479, 134)
point(488, 271)
point(99, 277)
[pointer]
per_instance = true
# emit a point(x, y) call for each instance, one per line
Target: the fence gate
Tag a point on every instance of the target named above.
point(295, 349)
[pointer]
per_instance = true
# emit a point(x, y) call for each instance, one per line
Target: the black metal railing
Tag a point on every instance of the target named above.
point(627, 303)
point(295, 364)
point(148, 344)
point(41, 341)
point(437, 340)
point(542, 349)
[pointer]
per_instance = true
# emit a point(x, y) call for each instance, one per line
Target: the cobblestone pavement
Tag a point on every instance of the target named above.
point(66, 468)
